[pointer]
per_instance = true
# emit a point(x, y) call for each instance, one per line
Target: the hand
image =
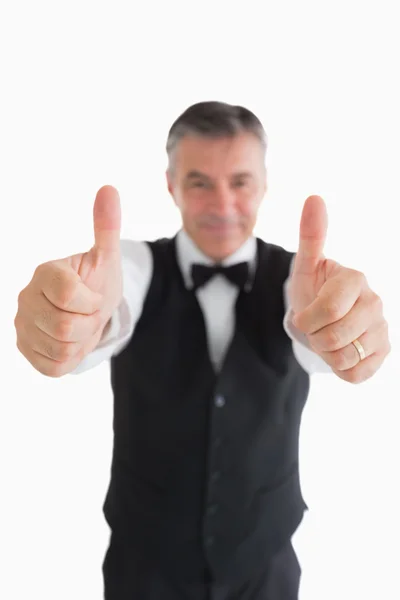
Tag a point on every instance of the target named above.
point(63, 310)
point(334, 305)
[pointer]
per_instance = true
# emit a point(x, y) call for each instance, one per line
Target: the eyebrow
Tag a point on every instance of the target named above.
point(243, 174)
point(199, 175)
point(196, 175)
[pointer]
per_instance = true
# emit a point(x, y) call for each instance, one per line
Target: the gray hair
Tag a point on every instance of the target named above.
point(213, 120)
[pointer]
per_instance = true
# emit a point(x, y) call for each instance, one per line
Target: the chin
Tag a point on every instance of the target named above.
point(220, 248)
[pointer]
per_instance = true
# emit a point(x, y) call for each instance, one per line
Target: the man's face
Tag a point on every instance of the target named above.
point(218, 185)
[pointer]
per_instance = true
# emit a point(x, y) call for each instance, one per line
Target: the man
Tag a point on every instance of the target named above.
point(212, 335)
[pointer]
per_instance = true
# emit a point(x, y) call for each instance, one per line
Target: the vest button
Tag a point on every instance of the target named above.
point(215, 476)
point(217, 442)
point(212, 509)
point(210, 541)
point(219, 401)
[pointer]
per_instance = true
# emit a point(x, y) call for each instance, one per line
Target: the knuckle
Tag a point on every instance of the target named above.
point(61, 283)
point(17, 321)
point(21, 297)
point(332, 339)
point(38, 272)
point(64, 329)
point(49, 368)
point(377, 303)
point(68, 351)
point(98, 322)
point(361, 276)
point(20, 326)
point(43, 272)
point(363, 373)
point(25, 298)
point(333, 311)
point(354, 377)
point(386, 349)
point(385, 330)
point(50, 350)
point(54, 370)
point(60, 351)
point(66, 293)
point(20, 346)
point(340, 360)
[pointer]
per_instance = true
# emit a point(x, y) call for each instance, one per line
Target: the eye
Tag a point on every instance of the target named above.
point(239, 183)
point(199, 184)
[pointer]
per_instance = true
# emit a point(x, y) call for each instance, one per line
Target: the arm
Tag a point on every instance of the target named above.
point(137, 270)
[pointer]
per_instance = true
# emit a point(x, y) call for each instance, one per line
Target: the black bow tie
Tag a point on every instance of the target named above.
point(237, 274)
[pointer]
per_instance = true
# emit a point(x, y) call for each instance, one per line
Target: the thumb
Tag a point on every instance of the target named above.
point(107, 220)
point(313, 231)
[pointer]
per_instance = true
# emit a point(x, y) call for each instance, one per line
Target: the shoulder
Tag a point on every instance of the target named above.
point(140, 257)
point(137, 267)
point(275, 253)
point(136, 252)
point(275, 248)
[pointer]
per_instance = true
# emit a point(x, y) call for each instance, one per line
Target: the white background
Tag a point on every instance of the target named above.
point(88, 92)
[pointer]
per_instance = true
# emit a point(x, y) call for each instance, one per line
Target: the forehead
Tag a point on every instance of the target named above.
point(219, 156)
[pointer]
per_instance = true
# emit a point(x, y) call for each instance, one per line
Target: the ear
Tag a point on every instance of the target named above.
point(265, 188)
point(169, 181)
point(170, 184)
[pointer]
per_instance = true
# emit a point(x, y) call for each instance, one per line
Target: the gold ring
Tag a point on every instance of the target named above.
point(359, 349)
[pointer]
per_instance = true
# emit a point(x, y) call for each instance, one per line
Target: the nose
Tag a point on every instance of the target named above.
point(223, 200)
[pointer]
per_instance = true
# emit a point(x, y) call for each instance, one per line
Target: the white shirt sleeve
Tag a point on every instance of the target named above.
point(308, 359)
point(137, 271)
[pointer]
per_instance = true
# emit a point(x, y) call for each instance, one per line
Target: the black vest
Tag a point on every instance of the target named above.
point(205, 474)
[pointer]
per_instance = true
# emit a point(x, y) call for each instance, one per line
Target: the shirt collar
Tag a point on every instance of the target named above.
point(188, 253)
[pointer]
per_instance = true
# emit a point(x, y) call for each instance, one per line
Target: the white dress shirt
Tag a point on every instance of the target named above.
point(217, 299)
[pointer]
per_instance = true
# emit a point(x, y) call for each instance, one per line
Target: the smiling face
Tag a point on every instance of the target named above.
point(218, 185)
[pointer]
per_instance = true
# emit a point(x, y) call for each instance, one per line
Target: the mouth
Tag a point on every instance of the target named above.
point(219, 228)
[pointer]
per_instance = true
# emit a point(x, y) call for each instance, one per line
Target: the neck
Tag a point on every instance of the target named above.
point(217, 258)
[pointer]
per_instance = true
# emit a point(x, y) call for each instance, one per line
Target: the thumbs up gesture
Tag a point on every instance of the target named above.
point(62, 312)
point(334, 306)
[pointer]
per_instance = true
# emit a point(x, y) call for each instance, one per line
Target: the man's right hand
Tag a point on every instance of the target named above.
point(62, 312)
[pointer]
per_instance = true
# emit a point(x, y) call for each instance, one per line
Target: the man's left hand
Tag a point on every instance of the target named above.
point(334, 305)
